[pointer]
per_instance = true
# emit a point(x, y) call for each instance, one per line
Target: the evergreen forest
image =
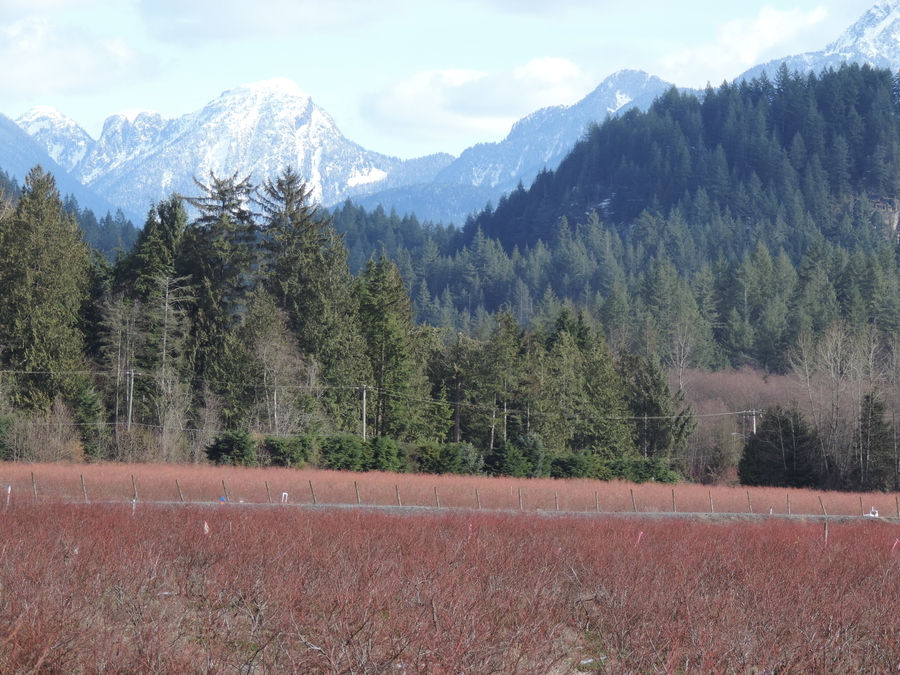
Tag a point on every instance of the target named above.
point(750, 228)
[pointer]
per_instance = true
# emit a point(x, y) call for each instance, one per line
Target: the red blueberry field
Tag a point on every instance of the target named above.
point(154, 585)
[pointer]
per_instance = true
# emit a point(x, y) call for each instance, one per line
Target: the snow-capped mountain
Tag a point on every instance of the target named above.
point(260, 128)
point(20, 152)
point(873, 39)
point(255, 129)
point(62, 138)
point(544, 138)
point(540, 140)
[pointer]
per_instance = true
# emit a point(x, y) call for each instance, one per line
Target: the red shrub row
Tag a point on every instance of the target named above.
point(206, 483)
point(91, 588)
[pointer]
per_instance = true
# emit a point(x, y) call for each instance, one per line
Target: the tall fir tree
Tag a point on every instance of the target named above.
point(398, 391)
point(44, 284)
point(305, 270)
point(220, 257)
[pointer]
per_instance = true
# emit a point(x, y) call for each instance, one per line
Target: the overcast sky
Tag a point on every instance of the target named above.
point(401, 77)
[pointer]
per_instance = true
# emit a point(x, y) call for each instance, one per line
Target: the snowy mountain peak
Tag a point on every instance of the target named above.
point(875, 34)
point(544, 137)
point(41, 117)
point(133, 114)
point(874, 39)
point(279, 87)
point(61, 137)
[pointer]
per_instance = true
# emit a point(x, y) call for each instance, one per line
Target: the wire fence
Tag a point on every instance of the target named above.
point(198, 485)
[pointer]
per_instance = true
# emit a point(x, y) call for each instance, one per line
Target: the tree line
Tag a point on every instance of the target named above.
point(234, 330)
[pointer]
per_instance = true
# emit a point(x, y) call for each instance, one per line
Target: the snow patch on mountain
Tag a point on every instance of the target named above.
point(373, 176)
point(622, 99)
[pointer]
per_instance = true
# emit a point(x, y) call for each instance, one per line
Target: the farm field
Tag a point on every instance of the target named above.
point(143, 587)
point(116, 482)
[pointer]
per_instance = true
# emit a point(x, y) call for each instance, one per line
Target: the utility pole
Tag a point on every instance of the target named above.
point(130, 374)
point(275, 404)
point(363, 389)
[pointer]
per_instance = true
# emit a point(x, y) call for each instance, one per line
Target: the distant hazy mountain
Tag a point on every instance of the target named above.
point(540, 140)
point(873, 39)
point(544, 137)
point(19, 153)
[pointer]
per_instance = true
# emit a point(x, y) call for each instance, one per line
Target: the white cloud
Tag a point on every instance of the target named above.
point(554, 8)
point(193, 20)
point(441, 104)
point(10, 10)
point(739, 45)
point(52, 58)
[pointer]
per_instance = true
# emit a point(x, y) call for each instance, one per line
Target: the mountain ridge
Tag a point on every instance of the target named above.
point(259, 128)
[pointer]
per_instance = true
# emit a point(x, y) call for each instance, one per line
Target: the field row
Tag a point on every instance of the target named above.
point(92, 588)
point(20, 482)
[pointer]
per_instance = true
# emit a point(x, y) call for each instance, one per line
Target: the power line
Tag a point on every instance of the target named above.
point(395, 395)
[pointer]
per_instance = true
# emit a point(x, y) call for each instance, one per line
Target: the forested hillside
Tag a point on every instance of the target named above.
point(747, 216)
point(752, 225)
point(556, 334)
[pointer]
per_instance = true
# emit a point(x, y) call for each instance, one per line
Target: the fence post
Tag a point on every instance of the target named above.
point(397, 488)
point(268, 493)
point(749, 503)
point(133, 488)
point(633, 503)
point(33, 485)
point(437, 500)
point(674, 508)
point(712, 509)
point(313, 492)
point(225, 489)
point(356, 487)
point(83, 488)
point(477, 498)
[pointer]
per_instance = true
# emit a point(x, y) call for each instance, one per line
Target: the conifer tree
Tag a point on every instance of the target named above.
point(44, 277)
point(305, 270)
point(386, 316)
point(220, 258)
point(662, 423)
point(157, 251)
point(782, 452)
